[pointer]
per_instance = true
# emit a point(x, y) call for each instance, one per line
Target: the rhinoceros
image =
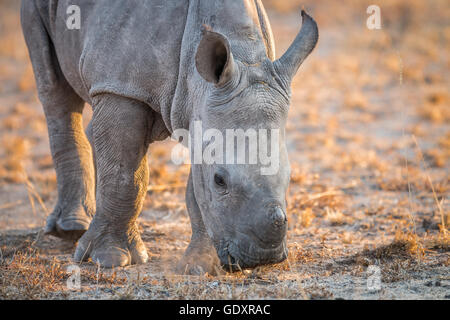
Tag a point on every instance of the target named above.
point(149, 68)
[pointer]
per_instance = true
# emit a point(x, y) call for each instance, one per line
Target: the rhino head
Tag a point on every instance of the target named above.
point(243, 203)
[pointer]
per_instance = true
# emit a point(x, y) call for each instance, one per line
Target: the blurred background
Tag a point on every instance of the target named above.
point(368, 138)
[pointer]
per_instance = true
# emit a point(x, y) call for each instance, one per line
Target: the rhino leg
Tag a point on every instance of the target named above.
point(72, 157)
point(119, 127)
point(70, 149)
point(90, 137)
point(200, 256)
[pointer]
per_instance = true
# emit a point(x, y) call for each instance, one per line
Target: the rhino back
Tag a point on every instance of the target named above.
point(130, 48)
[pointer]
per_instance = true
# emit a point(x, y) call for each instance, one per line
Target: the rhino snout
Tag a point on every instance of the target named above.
point(272, 227)
point(244, 252)
point(277, 217)
point(258, 244)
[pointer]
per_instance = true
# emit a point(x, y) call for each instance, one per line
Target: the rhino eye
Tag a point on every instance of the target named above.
point(219, 180)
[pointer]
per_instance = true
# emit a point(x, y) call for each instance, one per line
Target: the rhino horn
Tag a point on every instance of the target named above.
point(302, 46)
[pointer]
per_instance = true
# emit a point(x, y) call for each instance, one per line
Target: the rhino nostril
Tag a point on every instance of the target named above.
point(278, 216)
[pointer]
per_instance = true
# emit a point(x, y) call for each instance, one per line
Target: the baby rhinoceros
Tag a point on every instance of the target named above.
point(149, 68)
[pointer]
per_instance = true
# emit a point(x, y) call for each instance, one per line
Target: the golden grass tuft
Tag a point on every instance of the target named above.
point(356, 100)
point(306, 217)
point(16, 151)
point(336, 217)
point(436, 107)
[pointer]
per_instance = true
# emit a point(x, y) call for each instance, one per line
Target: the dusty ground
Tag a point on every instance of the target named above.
point(369, 143)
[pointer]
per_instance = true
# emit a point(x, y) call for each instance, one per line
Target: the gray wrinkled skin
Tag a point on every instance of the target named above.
point(148, 68)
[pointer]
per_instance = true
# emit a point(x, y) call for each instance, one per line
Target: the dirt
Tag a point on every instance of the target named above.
point(369, 144)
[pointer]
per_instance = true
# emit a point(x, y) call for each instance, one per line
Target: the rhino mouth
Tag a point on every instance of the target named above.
point(243, 253)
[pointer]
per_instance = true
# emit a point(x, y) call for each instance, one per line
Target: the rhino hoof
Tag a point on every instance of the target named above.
point(68, 227)
point(107, 251)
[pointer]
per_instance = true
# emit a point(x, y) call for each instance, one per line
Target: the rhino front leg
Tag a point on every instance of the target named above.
point(200, 256)
point(119, 128)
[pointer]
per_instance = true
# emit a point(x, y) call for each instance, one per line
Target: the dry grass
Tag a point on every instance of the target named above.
point(27, 271)
point(28, 276)
point(400, 259)
point(16, 152)
point(436, 107)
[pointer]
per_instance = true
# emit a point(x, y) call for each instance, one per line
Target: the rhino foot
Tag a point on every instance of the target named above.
point(111, 249)
point(200, 258)
point(70, 226)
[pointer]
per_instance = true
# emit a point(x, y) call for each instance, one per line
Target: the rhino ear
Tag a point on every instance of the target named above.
point(302, 46)
point(214, 60)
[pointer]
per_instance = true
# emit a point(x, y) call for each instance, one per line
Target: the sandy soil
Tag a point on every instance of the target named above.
point(369, 144)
